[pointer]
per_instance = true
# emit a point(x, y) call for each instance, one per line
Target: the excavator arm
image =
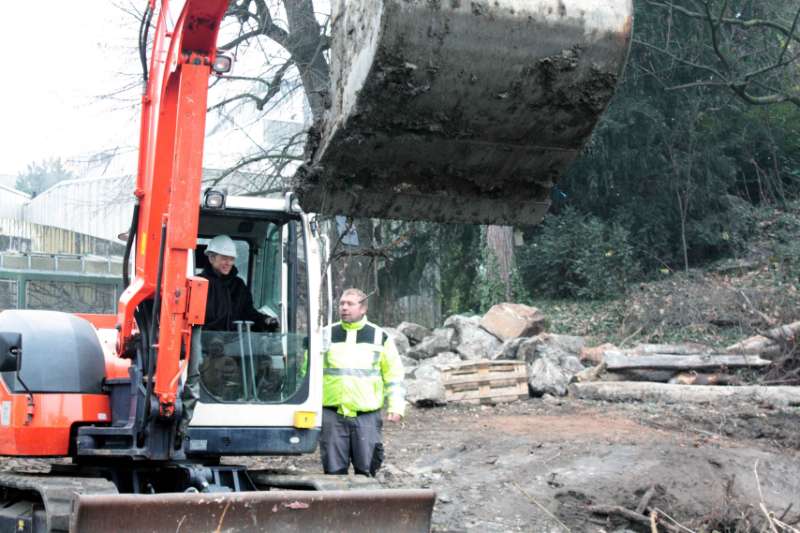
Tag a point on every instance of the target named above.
point(168, 191)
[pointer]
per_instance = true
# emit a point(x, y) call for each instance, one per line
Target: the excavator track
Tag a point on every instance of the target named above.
point(56, 495)
point(460, 111)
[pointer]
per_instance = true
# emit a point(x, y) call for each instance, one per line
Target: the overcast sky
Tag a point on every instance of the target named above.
point(62, 57)
point(63, 93)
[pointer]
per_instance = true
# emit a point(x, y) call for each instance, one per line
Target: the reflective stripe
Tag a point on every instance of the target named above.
point(378, 337)
point(361, 372)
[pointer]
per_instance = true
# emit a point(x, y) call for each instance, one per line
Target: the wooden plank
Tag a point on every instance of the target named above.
point(498, 398)
point(485, 382)
point(469, 383)
point(472, 366)
point(465, 393)
point(479, 378)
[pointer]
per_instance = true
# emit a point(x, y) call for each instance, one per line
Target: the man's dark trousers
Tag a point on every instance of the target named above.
point(345, 439)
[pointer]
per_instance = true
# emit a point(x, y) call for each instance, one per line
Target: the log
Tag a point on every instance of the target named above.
point(638, 374)
point(756, 345)
point(594, 354)
point(685, 348)
point(771, 343)
point(594, 373)
point(786, 333)
point(700, 378)
point(620, 361)
point(629, 391)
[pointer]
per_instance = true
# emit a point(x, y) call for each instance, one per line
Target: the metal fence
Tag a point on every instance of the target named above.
point(59, 283)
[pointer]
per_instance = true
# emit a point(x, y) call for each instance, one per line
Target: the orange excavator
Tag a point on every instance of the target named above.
point(454, 113)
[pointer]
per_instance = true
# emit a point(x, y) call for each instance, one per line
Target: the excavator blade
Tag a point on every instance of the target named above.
point(284, 511)
point(460, 111)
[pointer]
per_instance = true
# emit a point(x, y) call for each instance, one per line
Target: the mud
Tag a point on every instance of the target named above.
point(538, 465)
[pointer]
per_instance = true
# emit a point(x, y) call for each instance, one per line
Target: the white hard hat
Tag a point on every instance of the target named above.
point(222, 245)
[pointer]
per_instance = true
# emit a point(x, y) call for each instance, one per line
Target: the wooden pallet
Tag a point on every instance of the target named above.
point(485, 382)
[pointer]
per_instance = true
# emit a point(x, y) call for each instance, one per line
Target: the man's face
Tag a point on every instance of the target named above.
point(351, 308)
point(222, 264)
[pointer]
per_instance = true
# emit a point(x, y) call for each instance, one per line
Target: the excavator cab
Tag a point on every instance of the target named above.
point(257, 384)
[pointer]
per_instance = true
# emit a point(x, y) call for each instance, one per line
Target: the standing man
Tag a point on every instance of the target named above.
point(360, 368)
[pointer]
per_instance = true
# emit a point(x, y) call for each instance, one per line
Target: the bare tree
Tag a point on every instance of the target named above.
point(749, 47)
point(290, 39)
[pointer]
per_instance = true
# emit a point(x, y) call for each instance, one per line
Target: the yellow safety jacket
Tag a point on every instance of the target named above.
point(360, 368)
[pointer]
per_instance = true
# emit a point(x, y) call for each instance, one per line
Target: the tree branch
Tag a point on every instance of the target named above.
point(750, 23)
point(752, 86)
point(274, 88)
point(265, 25)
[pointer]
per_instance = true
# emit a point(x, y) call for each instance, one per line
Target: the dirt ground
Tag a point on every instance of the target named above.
point(537, 465)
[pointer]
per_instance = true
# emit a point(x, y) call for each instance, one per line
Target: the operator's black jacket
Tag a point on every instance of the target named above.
point(229, 300)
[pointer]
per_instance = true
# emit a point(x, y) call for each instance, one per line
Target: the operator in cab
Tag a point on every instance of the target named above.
point(361, 368)
point(229, 299)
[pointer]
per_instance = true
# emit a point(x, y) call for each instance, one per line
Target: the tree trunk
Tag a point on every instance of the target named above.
point(306, 45)
point(629, 391)
point(620, 361)
point(500, 241)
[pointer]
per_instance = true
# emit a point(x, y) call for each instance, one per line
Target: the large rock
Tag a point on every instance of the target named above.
point(552, 361)
point(409, 365)
point(507, 321)
point(470, 340)
point(442, 359)
point(427, 387)
point(546, 376)
point(413, 332)
point(556, 346)
point(509, 348)
point(400, 340)
point(439, 341)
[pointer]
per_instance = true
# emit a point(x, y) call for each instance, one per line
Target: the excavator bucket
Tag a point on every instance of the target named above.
point(460, 111)
point(285, 511)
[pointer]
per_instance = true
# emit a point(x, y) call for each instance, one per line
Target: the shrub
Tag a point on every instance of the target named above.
point(578, 255)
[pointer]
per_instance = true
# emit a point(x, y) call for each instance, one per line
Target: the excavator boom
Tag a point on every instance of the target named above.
point(461, 111)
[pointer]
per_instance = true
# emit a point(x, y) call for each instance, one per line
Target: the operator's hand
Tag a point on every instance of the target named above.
point(393, 417)
point(273, 326)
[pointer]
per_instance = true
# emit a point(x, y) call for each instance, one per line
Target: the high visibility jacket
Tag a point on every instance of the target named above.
point(360, 368)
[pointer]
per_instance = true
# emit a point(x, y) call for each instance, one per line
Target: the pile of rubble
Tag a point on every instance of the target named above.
point(506, 332)
point(561, 364)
